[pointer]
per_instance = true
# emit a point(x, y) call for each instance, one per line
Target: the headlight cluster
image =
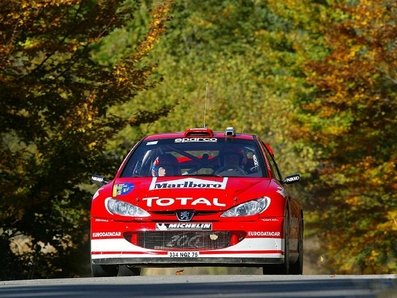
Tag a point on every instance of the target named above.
point(124, 208)
point(248, 208)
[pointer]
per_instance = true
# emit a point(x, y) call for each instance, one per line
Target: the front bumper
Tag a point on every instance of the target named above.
point(249, 244)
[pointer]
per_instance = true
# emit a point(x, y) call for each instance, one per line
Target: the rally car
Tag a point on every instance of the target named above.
point(197, 198)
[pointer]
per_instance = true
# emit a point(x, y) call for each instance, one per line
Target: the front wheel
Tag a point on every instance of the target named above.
point(104, 270)
point(283, 268)
point(127, 270)
point(297, 267)
point(277, 269)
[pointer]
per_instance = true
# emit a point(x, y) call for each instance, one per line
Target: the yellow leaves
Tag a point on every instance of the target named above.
point(356, 214)
point(373, 255)
point(358, 48)
point(334, 130)
point(25, 12)
point(40, 4)
point(125, 72)
point(84, 114)
point(392, 219)
point(368, 13)
point(352, 53)
point(375, 175)
point(159, 16)
point(92, 145)
point(390, 224)
point(353, 200)
point(120, 74)
point(31, 43)
point(86, 110)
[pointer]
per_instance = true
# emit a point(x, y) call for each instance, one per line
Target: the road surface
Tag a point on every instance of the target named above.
point(241, 286)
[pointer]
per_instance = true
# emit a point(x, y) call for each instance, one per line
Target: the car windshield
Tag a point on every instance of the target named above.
point(196, 157)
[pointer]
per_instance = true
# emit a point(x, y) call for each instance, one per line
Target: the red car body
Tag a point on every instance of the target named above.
point(199, 214)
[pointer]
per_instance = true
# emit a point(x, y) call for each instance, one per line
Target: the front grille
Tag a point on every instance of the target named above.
point(186, 240)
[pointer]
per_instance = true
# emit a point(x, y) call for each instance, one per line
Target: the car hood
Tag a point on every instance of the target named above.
point(199, 193)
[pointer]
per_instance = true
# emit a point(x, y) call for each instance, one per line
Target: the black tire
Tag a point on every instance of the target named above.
point(297, 267)
point(285, 267)
point(126, 270)
point(104, 270)
point(275, 269)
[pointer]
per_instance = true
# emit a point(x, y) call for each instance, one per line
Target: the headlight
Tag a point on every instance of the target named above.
point(248, 208)
point(124, 209)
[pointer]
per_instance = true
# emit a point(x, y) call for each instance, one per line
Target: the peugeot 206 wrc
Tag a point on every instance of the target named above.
point(197, 198)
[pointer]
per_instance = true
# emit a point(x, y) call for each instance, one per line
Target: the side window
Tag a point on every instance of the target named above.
point(272, 163)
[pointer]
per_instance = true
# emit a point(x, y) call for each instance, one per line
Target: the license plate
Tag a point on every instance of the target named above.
point(183, 254)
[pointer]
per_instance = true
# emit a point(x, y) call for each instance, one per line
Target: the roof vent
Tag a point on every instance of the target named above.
point(229, 132)
point(199, 132)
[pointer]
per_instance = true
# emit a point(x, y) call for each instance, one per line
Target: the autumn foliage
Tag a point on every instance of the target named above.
point(81, 80)
point(55, 124)
point(353, 128)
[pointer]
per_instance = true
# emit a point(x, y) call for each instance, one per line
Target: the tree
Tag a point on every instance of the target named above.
point(55, 123)
point(225, 64)
point(350, 121)
point(316, 79)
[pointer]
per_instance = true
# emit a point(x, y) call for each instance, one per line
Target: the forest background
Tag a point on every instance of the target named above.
point(82, 80)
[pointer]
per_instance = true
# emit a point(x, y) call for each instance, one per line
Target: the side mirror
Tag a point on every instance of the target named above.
point(292, 179)
point(99, 180)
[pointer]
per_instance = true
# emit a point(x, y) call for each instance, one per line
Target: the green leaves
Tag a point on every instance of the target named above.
point(309, 78)
point(80, 81)
point(54, 121)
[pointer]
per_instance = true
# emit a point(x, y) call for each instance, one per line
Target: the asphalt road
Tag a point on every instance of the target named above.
point(241, 286)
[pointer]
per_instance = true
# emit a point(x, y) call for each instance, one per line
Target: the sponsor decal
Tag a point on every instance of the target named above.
point(96, 194)
point(263, 234)
point(196, 140)
point(184, 226)
point(164, 202)
point(270, 219)
point(188, 183)
point(101, 220)
point(214, 237)
point(97, 179)
point(255, 160)
point(106, 234)
point(292, 178)
point(122, 189)
point(281, 191)
point(152, 143)
point(186, 240)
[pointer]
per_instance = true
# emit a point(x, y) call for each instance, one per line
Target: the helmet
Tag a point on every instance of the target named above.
point(233, 150)
point(167, 162)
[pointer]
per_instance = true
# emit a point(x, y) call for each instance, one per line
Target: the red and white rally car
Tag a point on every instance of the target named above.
point(197, 198)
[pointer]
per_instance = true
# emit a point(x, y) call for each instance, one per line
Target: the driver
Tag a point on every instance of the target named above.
point(232, 164)
point(165, 165)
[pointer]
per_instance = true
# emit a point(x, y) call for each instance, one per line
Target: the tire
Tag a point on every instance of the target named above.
point(104, 270)
point(285, 267)
point(126, 270)
point(297, 267)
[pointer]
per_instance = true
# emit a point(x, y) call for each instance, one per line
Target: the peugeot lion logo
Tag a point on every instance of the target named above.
point(185, 215)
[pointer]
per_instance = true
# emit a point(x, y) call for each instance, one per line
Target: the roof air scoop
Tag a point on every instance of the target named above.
point(191, 132)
